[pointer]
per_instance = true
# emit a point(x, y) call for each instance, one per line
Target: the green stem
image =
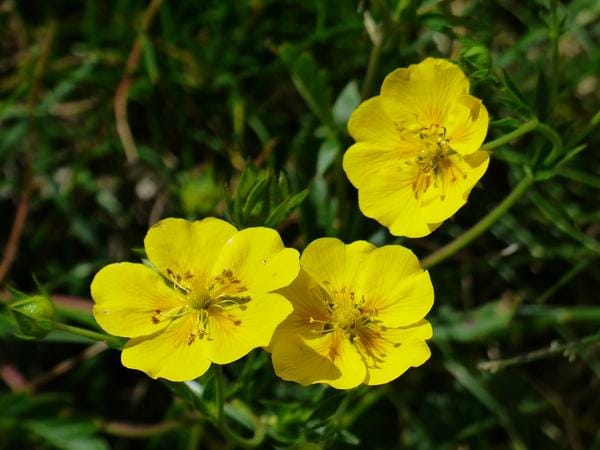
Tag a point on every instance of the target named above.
point(553, 35)
point(259, 431)
point(554, 138)
point(374, 59)
point(523, 129)
point(111, 341)
point(468, 236)
point(582, 264)
point(494, 366)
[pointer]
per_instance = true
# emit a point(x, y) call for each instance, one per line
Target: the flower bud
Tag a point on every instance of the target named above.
point(33, 316)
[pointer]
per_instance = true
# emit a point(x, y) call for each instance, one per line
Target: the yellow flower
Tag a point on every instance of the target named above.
point(416, 156)
point(358, 315)
point(208, 298)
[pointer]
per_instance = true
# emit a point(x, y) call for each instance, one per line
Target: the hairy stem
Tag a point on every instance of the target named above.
point(500, 364)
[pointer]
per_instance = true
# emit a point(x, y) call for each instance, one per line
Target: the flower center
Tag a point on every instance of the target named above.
point(346, 312)
point(434, 160)
point(203, 300)
point(349, 316)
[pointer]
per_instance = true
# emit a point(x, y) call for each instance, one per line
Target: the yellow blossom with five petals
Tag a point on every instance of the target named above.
point(207, 299)
point(358, 315)
point(417, 152)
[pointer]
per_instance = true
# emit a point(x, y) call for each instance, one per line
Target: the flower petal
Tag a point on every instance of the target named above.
point(330, 358)
point(127, 296)
point(423, 93)
point(332, 263)
point(412, 352)
point(441, 201)
point(395, 286)
point(390, 199)
point(258, 260)
point(309, 311)
point(234, 332)
point(369, 122)
point(182, 247)
point(467, 125)
point(168, 353)
point(366, 160)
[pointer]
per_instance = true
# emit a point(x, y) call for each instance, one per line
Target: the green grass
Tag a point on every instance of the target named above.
point(239, 110)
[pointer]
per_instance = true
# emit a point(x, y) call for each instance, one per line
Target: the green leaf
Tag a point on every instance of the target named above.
point(67, 434)
point(285, 208)
point(515, 96)
point(150, 59)
point(346, 103)
point(477, 325)
point(310, 81)
point(327, 153)
point(193, 392)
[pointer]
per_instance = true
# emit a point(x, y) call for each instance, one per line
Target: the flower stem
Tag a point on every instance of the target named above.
point(374, 59)
point(468, 236)
point(494, 366)
point(259, 431)
point(523, 129)
point(111, 341)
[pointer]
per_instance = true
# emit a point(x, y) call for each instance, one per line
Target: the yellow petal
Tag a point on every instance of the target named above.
point(236, 331)
point(369, 122)
point(412, 351)
point(186, 248)
point(366, 160)
point(441, 201)
point(467, 125)
point(257, 258)
point(390, 199)
point(332, 263)
point(395, 286)
point(127, 296)
point(330, 358)
point(423, 93)
point(169, 353)
point(309, 310)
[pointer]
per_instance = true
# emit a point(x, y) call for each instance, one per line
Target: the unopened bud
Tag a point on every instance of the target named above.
point(33, 316)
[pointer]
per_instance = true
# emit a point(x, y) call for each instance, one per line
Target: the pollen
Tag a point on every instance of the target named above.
point(436, 161)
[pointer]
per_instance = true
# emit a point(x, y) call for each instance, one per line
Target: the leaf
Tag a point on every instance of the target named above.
point(310, 81)
point(67, 434)
point(478, 325)
point(515, 97)
point(327, 153)
point(541, 97)
point(346, 103)
point(284, 209)
point(192, 392)
point(150, 59)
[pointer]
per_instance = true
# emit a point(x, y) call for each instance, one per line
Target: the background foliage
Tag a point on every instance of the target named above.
point(115, 114)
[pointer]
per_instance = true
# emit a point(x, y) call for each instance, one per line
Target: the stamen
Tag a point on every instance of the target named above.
point(172, 314)
point(433, 160)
